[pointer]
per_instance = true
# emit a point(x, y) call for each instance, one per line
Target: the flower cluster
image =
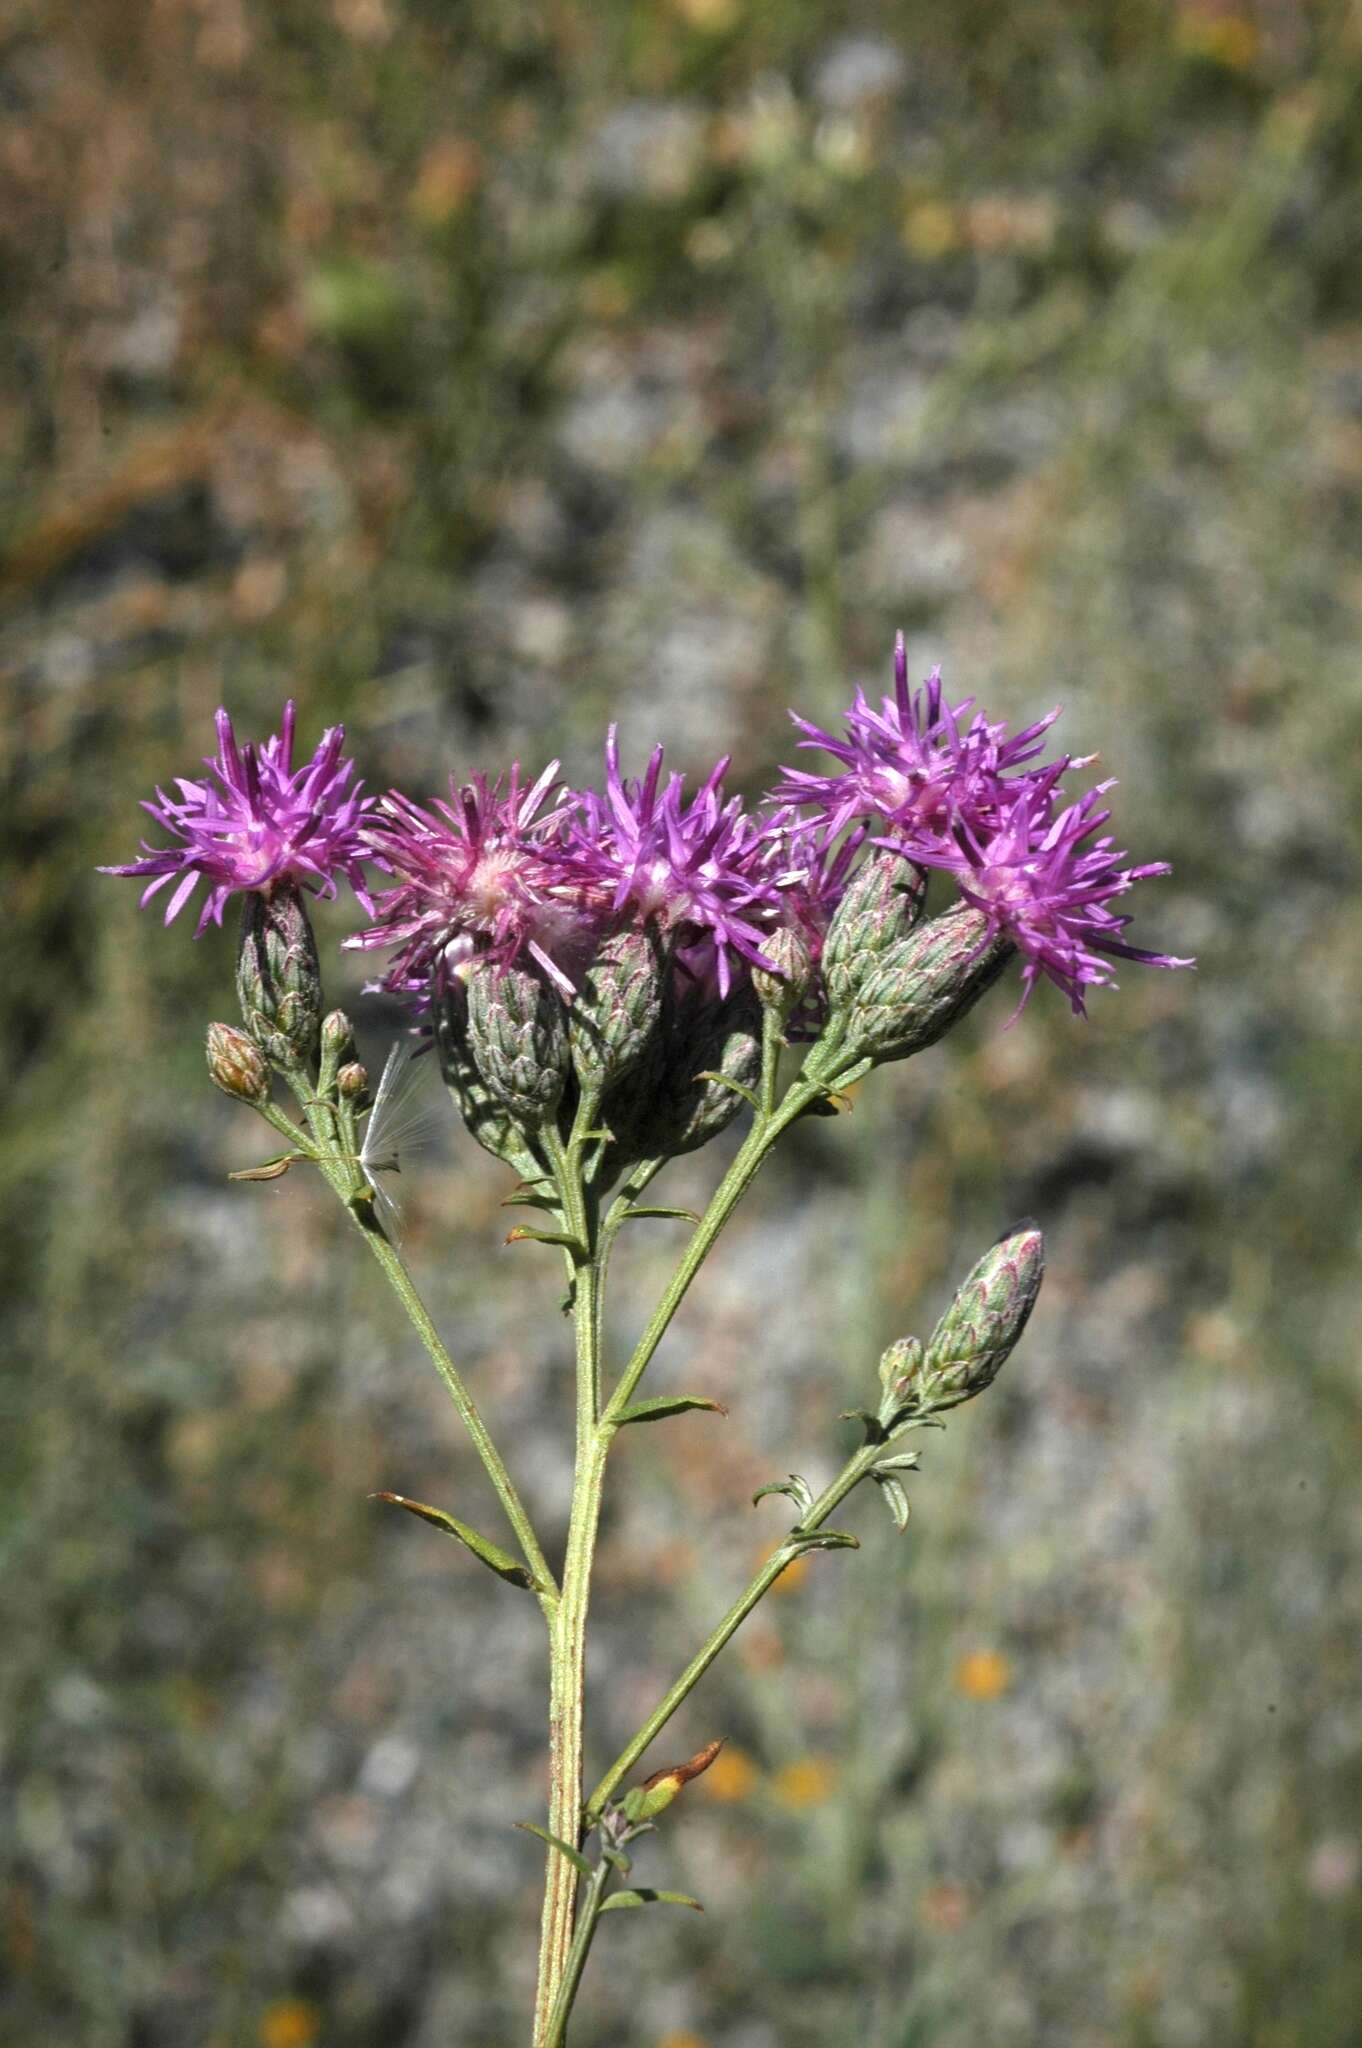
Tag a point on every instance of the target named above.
point(260, 823)
point(535, 873)
point(956, 792)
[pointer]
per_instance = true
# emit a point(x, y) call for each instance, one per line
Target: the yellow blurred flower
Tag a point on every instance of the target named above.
point(930, 229)
point(793, 1575)
point(983, 1675)
point(807, 1783)
point(289, 2023)
point(449, 174)
point(1228, 39)
point(713, 16)
point(730, 1777)
point(682, 2039)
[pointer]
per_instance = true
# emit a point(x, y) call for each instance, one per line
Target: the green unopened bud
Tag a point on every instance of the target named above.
point(352, 1080)
point(484, 1116)
point(901, 1370)
point(688, 1108)
point(279, 977)
point(882, 903)
point(655, 1794)
point(517, 1034)
point(982, 1325)
point(784, 991)
point(236, 1065)
point(924, 983)
point(337, 1048)
point(615, 1017)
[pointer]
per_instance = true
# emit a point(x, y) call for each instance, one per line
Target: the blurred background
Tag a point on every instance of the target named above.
point(476, 373)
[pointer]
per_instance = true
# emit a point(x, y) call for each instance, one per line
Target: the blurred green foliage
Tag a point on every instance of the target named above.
point(476, 373)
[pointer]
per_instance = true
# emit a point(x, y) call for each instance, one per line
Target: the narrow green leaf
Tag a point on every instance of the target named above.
point(822, 1539)
point(660, 1406)
point(521, 1235)
point(617, 1860)
point(491, 1554)
point(725, 1081)
point(642, 1897)
point(269, 1169)
point(799, 1491)
point(905, 1461)
point(682, 1215)
point(527, 1198)
point(895, 1497)
point(875, 1432)
point(574, 1856)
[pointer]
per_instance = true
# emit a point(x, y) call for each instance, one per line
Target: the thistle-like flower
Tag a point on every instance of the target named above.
point(918, 767)
point(697, 865)
point(484, 875)
point(258, 822)
point(1047, 884)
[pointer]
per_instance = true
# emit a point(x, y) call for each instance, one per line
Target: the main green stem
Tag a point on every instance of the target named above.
point(567, 1627)
point(832, 1496)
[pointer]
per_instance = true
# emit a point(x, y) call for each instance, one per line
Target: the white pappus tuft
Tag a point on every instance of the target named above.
point(398, 1124)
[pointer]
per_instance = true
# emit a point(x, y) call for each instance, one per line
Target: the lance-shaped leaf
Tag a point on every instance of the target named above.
point(902, 1461)
point(619, 1900)
point(737, 1087)
point(269, 1169)
point(895, 1497)
point(574, 1856)
point(799, 1491)
point(491, 1554)
point(649, 1209)
point(522, 1235)
point(822, 1539)
point(659, 1406)
point(875, 1432)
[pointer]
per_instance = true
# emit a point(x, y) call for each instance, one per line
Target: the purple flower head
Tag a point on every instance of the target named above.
point(480, 875)
point(1047, 881)
point(917, 766)
point(696, 866)
point(810, 871)
point(258, 823)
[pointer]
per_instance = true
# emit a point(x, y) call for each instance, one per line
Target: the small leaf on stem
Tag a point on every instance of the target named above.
point(682, 1215)
point(659, 1406)
point(895, 1498)
point(270, 1169)
point(822, 1539)
point(799, 1491)
point(491, 1554)
point(650, 1898)
point(574, 1856)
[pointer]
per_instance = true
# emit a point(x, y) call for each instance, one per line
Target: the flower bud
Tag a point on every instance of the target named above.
point(279, 977)
point(615, 1017)
point(924, 983)
point(337, 1048)
point(788, 951)
point(980, 1328)
point(882, 903)
point(901, 1370)
point(352, 1080)
point(685, 1110)
point(236, 1066)
point(644, 1802)
point(483, 1115)
point(517, 1034)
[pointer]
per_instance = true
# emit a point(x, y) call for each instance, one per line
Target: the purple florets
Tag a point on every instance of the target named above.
point(965, 796)
point(1046, 882)
point(699, 867)
point(483, 874)
point(919, 766)
point(260, 823)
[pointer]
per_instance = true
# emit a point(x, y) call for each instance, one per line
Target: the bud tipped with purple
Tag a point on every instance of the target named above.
point(971, 1343)
point(236, 1065)
point(279, 978)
